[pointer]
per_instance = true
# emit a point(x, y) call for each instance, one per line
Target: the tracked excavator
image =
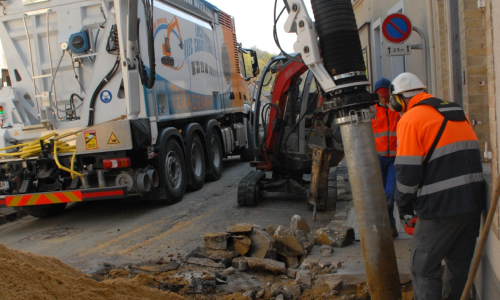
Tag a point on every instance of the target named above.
point(319, 112)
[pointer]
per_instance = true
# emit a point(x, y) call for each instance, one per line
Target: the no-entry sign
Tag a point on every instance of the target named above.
point(396, 28)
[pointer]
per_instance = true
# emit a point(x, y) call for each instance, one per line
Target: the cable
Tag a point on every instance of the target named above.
point(275, 33)
point(76, 76)
point(3, 9)
point(52, 84)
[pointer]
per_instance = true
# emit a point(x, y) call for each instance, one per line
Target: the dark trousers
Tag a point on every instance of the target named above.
point(389, 179)
point(452, 240)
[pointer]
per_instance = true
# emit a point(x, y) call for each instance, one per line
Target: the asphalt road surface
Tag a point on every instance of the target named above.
point(117, 232)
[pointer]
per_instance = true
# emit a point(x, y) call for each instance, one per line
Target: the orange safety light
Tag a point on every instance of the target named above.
point(115, 163)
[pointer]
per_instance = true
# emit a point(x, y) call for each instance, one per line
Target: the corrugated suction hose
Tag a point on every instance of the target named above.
point(339, 39)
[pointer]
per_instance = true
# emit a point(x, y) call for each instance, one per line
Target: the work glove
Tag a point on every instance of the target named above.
point(408, 219)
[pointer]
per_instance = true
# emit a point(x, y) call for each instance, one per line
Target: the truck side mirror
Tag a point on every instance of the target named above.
point(255, 63)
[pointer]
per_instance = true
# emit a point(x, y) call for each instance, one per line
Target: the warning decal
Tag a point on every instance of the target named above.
point(113, 139)
point(90, 139)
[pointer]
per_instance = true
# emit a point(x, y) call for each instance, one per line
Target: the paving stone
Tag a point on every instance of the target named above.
point(241, 244)
point(270, 265)
point(292, 261)
point(216, 240)
point(262, 245)
point(240, 229)
point(286, 243)
point(298, 223)
point(206, 262)
point(334, 236)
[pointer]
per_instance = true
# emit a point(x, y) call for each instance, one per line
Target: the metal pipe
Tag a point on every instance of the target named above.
point(430, 26)
point(371, 211)
point(32, 67)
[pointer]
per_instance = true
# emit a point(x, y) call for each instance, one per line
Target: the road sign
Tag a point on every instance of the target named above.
point(398, 49)
point(396, 28)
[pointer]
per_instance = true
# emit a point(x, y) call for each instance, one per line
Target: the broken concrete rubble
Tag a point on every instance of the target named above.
point(303, 278)
point(206, 262)
point(298, 223)
point(216, 240)
point(304, 241)
point(262, 245)
point(239, 229)
point(270, 230)
point(292, 261)
point(235, 263)
point(292, 292)
point(334, 236)
point(326, 251)
point(218, 256)
point(286, 243)
point(241, 244)
point(270, 265)
point(243, 265)
point(156, 268)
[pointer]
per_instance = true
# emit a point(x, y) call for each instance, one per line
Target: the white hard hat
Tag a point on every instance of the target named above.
point(407, 82)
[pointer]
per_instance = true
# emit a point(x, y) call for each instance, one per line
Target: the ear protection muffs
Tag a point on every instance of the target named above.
point(398, 102)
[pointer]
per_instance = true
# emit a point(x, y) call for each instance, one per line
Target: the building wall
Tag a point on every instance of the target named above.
point(479, 63)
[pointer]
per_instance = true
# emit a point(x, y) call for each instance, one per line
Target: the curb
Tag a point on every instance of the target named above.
point(12, 217)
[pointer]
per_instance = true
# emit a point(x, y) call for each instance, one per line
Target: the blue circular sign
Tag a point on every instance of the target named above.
point(397, 28)
point(106, 96)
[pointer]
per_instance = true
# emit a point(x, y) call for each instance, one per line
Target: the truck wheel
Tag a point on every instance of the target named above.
point(249, 153)
point(215, 156)
point(45, 211)
point(173, 174)
point(196, 161)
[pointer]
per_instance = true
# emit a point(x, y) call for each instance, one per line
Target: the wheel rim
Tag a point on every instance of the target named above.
point(196, 159)
point(174, 171)
point(216, 156)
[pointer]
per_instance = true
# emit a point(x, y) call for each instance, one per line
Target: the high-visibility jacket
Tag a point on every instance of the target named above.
point(384, 130)
point(452, 181)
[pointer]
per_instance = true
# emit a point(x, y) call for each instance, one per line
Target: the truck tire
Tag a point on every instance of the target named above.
point(196, 161)
point(249, 153)
point(215, 155)
point(173, 174)
point(45, 211)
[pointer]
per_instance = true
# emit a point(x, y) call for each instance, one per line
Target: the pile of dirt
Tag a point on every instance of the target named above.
point(29, 276)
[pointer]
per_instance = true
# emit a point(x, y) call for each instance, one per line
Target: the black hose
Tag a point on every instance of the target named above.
point(148, 79)
point(101, 85)
point(339, 39)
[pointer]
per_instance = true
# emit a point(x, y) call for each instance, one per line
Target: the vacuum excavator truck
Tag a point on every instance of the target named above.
point(117, 98)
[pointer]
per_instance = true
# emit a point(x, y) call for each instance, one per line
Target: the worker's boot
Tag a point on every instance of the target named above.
point(395, 233)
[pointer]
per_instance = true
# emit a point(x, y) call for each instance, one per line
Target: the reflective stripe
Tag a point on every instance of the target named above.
point(450, 183)
point(409, 160)
point(451, 148)
point(385, 133)
point(450, 109)
point(382, 153)
point(406, 189)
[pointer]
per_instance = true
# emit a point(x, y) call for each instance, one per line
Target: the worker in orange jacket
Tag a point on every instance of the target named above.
point(439, 176)
point(384, 130)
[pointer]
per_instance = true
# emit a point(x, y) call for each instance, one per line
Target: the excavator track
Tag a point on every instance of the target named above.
point(249, 188)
